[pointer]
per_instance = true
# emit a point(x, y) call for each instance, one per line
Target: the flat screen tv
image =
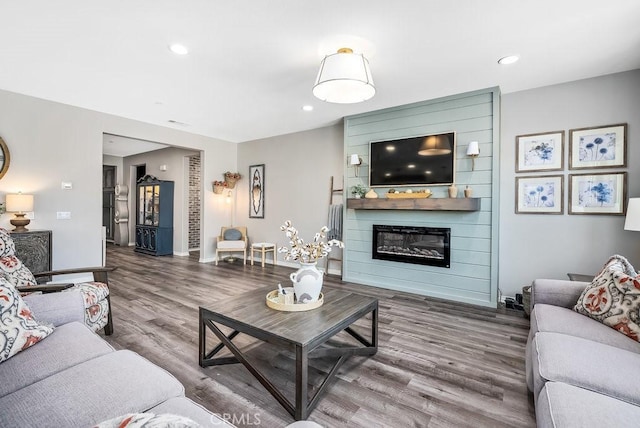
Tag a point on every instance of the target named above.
point(426, 160)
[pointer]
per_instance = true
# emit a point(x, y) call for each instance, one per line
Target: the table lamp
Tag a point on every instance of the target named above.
point(20, 205)
point(632, 221)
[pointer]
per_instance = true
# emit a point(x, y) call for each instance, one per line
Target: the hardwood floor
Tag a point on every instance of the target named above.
point(439, 364)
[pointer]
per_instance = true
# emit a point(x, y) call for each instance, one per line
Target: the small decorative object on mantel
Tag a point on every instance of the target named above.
point(468, 192)
point(307, 281)
point(219, 186)
point(408, 194)
point(371, 194)
point(231, 178)
point(453, 191)
point(358, 191)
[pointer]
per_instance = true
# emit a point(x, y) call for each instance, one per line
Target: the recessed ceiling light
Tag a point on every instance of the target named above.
point(307, 108)
point(508, 59)
point(178, 49)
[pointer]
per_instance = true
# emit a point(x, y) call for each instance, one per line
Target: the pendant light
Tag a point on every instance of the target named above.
point(344, 78)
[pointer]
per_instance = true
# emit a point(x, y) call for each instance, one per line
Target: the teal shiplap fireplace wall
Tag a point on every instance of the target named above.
point(473, 275)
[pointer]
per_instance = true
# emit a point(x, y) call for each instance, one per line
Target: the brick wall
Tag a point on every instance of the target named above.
point(194, 202)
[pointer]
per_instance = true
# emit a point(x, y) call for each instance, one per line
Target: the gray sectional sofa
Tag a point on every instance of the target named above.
point(581, 372)
point(74, 378)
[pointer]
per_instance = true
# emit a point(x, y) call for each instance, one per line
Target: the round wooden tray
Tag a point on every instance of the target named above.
point(414, 195)
point(274, 303)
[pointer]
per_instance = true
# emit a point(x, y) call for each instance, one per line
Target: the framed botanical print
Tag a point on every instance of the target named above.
point(540, 152)
point(540, 195)
point(601, 147)
point(256, 191)
point(598, 193)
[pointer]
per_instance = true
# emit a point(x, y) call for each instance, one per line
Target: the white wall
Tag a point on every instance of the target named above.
point(51, 142)
point(178, 172)
point(549, 246)
point(298, 169)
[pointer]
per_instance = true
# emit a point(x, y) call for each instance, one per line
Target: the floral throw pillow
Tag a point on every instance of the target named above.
point(18, 329)
point(12, 269)
point(7, 246)
point(149, 420)
point(613, 297)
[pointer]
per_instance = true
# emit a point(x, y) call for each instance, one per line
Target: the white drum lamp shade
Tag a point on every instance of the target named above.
point(19, 204)
point(344, 78)
point(632, 221)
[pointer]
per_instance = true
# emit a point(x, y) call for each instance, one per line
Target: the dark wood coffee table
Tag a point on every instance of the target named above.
point(304, 331)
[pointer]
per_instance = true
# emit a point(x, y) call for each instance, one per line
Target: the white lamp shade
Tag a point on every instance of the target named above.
point(355, 160)
point(473, 149)
point(632, 221)
point(344, 78)
point(19, 203)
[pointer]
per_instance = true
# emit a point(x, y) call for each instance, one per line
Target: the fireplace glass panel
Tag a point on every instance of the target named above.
point(419, 245)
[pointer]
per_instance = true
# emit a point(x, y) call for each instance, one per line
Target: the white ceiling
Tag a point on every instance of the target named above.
point(115, 145)
point(252, 63)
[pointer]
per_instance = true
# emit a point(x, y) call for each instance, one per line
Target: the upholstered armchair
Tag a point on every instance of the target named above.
point(95, 294)
point(232, 239)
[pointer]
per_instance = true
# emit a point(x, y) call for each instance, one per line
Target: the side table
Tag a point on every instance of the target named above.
point(33, 248)
point(263, 248)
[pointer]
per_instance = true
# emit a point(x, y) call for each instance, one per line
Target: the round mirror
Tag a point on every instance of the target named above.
point(4, 158)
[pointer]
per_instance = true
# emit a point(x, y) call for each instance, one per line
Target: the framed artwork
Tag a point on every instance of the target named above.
point(601, 147)
point(540, 195)
point(256, 191)
point(598, 193)
point(540, 152)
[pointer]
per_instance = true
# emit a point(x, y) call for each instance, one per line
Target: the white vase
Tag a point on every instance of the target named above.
point(307, 283)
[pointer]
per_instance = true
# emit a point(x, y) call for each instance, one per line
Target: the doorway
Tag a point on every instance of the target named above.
point(108, 200)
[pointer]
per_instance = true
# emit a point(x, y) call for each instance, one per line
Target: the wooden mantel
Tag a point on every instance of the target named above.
point(424, 204)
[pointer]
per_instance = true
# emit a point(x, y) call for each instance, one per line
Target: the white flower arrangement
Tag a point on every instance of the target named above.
point(310, 252)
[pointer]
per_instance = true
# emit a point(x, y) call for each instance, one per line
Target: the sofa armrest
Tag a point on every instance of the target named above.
point(558, 292)
point(44, 288)
point(57, 308)
point(99, 273)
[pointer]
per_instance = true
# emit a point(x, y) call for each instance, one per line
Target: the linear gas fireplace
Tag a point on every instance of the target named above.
point(419, 245)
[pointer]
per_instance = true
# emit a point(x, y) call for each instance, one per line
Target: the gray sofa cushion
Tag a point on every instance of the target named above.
point(556, 319)
point(562, 405)
point(185, 407)
point(57, 308)
point(586, 364)
point(68, 345)
point(91, 392)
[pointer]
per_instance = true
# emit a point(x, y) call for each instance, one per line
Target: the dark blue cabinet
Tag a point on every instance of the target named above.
point(154, 216)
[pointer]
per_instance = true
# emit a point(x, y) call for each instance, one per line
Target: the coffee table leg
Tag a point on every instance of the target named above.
point(302, 380)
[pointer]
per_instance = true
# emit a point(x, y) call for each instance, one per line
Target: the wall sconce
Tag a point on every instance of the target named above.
point(473, 151)
point(355, 161)
point(20, 205)
point(228, 198)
